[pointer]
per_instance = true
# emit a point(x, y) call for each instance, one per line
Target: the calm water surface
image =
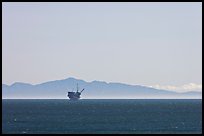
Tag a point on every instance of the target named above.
point(101, 116)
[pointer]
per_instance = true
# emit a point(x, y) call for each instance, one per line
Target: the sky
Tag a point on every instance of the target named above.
point(152, 44)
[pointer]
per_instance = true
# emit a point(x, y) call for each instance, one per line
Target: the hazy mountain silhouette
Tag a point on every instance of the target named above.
point(97, 89)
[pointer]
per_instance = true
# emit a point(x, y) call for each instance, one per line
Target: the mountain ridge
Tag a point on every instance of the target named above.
point(94, 89)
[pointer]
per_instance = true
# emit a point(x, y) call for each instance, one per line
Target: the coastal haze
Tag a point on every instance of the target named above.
point(136, 49)
point(93, 90)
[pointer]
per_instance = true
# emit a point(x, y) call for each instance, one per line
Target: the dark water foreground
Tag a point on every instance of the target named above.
point(102, 116)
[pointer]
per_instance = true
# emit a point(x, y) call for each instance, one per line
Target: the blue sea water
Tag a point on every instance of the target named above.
point(89, 116)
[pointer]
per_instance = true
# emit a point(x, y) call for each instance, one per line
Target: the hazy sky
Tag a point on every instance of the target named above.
point(153, 44)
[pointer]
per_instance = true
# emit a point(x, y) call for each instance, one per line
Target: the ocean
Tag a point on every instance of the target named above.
point(101, 116)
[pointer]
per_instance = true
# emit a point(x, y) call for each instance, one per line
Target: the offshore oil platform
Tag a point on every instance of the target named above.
point(75, 95)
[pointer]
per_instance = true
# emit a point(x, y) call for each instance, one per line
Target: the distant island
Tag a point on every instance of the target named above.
point(94, 90)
